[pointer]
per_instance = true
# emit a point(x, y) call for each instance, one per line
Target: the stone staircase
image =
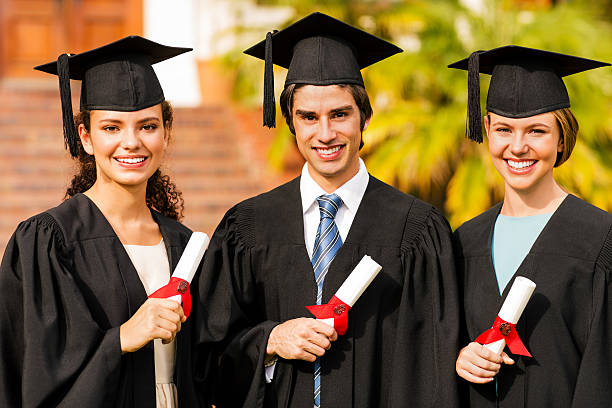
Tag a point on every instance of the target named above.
point(214, 157)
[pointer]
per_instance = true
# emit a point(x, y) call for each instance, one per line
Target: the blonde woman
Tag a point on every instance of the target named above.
point(539, 231)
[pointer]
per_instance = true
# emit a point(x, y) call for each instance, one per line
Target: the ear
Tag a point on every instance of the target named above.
point(166, 134)
point(561, 145)
point(366, 123)
point(487, 123)
point(85, 139)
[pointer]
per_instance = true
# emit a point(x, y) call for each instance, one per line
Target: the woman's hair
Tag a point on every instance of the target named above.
point(568, 128)
point(162, 194)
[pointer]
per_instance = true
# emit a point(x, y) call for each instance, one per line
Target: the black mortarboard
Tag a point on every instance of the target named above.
point(117, 76)
point(524, 82)
point(318, 50)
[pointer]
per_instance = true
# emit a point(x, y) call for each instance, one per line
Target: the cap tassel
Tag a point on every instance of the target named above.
point(474, 113)
point(70, 137)
point(269, 104)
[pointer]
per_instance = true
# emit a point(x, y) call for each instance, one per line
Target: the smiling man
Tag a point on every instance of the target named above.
point(275, 254)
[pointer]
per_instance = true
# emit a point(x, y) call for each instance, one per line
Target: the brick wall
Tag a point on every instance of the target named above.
point(216, 157)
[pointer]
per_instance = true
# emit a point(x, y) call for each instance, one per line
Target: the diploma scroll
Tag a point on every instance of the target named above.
point(503, 330)
point(178, 287)
point(335, 313)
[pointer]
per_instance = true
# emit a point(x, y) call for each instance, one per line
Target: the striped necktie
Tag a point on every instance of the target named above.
point(327, 244)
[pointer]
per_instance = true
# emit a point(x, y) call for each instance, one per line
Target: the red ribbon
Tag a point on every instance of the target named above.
point(504, 330)
point(176, 286)
point(336, 309)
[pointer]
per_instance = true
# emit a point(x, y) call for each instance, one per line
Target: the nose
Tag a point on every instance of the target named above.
point(130, 139)
point(326, 131)
point(518, 145)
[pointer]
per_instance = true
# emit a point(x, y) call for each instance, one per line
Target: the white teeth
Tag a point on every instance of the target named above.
point(329, 151)
point(132, 161)
point(520, 164)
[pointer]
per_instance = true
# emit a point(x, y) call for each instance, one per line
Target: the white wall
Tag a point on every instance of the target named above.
point(175, 23)
point(208, 27)
point(217, 19)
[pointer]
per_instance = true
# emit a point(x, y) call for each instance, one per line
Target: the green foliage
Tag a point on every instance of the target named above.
point(416, 139)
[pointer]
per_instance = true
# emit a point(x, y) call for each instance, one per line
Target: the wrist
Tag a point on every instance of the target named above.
point(270, 349)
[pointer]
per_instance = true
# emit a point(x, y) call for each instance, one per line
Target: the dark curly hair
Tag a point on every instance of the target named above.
point(162, 194)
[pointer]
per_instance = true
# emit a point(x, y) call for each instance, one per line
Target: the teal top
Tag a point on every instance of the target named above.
point(513, 238)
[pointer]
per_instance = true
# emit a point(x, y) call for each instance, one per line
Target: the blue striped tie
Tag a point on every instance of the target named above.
point(327, 243)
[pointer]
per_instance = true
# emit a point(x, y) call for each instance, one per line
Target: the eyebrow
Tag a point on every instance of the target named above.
point(149, 119)
point(502, 123)
point(110, 120)
point(119, 121)
point(335, 110)
point(342, 109)
point(303, 112)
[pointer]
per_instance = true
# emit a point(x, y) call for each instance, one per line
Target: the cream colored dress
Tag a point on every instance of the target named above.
point(151, 263)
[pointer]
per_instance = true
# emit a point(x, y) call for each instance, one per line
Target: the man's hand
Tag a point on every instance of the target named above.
point(155, 319)
point(300, 339)
point(478, 364)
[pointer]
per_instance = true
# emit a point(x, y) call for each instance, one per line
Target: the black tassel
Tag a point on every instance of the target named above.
point(269, 104)
point(473, 112)
point(70, 137)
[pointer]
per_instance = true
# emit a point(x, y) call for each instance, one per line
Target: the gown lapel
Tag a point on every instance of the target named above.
point(134, 289)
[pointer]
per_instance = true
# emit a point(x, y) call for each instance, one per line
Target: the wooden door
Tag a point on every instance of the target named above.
point(33, 32)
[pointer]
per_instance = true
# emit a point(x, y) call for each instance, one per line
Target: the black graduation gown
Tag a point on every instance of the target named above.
point(67, 285)
point(567, 324)
point(402, 337)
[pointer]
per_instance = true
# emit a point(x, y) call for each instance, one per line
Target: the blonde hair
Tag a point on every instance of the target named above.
point(568, 127)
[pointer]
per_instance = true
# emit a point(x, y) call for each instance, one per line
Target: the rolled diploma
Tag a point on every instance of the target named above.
point(356, 283)
point(513, 307)
point(190, 260)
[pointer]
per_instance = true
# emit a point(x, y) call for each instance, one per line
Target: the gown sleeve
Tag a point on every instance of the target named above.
point(53, 353)
point(227, 290)
point(428, 323)
point(593, 382)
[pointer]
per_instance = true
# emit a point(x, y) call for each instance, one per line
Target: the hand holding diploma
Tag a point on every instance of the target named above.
point(335, 313)
point(504, 330)
point(178, 287)
point(305, 338)
point(161, 316)
point(480, 361)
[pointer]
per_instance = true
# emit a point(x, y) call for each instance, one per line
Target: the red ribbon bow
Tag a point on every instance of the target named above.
point(504, 330)
point(176, 286)
point(336, 309)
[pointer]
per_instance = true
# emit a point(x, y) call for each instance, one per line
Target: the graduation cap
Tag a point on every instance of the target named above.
point(117, 76)
point(524, 82)
point(317, 50)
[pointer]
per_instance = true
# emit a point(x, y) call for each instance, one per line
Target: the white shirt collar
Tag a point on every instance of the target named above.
point(350, 192)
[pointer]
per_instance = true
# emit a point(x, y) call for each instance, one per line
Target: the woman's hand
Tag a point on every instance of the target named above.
point(478, 364)
point(155, 319)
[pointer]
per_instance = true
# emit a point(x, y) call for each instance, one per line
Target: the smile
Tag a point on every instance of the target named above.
point(520, 167)
point(520, 164)
point(134, 160)
point(330, 150)
point(329, 153)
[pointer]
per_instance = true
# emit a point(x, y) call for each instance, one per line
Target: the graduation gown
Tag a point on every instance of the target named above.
point(67, 285)
point(402, 338)
point(567, 324)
